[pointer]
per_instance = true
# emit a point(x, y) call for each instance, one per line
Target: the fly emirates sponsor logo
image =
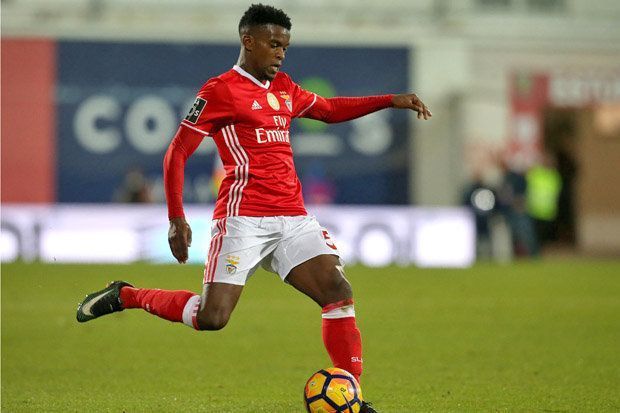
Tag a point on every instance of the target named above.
point(280, 134)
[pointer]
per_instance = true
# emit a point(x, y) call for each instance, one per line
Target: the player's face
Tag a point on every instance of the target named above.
point(269, 50)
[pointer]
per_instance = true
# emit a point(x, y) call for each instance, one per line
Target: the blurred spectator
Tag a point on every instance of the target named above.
point(481, 200)
point(543, 191)
point(512, 204)
point(135, 188)
point(568, 168)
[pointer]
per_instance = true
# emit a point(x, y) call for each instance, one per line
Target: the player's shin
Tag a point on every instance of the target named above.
point(172, 305)
point(341, 336)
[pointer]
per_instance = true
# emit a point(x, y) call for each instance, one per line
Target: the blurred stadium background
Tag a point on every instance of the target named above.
point(520, 161)
point(92, 92)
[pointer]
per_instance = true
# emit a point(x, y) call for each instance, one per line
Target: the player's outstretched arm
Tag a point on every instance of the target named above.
point(342, 109)
point(413, 102)
point(179, 239)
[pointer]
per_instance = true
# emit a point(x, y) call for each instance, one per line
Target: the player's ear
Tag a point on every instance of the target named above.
point(247, 40)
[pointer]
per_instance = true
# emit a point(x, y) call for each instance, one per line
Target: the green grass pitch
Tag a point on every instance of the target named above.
point(528, 337)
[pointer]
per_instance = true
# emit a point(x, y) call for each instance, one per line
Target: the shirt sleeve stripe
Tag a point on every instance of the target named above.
point(309, 106)
point(194, 128)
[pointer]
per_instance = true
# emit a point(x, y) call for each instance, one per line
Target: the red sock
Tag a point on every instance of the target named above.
point(342, 338)
point(163, 303)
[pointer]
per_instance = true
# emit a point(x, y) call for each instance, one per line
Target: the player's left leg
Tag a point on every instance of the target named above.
point(308, 259)
point(322, 279)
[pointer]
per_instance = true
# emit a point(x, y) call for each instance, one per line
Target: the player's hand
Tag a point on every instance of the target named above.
point(413, 102)
point(179, 238)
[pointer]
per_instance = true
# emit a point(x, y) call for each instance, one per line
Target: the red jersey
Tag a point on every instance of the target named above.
point(249, 122)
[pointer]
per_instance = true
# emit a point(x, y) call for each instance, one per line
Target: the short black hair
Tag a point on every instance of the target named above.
point(260, 14)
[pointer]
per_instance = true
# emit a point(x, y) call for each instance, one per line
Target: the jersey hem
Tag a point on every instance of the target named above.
point(283, 213)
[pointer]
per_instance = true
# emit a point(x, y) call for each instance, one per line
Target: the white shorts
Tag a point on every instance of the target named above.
point(240, 244)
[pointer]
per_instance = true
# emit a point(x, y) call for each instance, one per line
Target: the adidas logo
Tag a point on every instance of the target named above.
point(256, 106)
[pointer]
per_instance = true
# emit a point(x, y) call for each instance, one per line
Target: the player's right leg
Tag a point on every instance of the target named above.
point(219, 301)
point(237, 247)
point(173, 305)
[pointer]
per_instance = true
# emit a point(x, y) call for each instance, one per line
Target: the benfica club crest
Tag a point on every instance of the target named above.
point(287, 100)
point(231, 264)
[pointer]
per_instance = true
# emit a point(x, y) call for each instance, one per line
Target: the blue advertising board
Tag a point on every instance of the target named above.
point(119, 105)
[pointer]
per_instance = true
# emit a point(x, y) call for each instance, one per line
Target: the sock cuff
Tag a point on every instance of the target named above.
point(339, 309)
point(337, 304)
point(190, 310)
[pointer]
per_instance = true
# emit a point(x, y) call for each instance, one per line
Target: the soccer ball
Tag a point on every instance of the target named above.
point(332, 390)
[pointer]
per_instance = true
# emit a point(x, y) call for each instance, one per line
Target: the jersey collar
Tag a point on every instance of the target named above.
point(252, 78)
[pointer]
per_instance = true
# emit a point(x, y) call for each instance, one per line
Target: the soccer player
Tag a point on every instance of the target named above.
point(259, 217)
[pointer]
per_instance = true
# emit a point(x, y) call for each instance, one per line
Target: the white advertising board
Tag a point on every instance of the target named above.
point(370, 235)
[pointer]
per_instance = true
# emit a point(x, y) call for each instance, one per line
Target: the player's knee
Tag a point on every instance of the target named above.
point(212, 320)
